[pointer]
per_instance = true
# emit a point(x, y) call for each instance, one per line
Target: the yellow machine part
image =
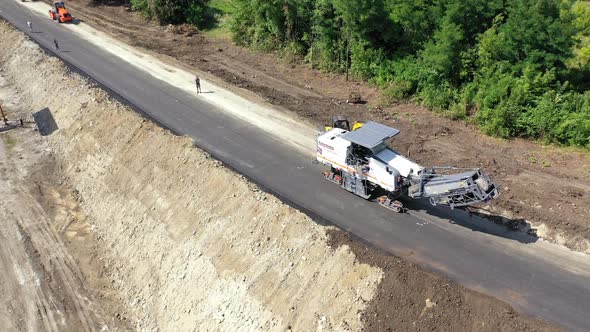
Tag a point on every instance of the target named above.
point(357, 125)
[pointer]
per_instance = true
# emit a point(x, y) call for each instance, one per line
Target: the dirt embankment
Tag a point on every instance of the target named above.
point(546, 190)
point(190, 244)
point(41, 276)
point(180, 242)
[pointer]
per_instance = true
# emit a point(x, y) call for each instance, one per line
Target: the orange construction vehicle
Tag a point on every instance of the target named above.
point(59, 12)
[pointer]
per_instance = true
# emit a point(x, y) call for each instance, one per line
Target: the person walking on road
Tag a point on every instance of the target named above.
point(56, 44)
point(30, 25)
point(198, 83)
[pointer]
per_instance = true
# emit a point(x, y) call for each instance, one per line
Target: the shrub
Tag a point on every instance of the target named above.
point(438, 96)
point(292, 52)
point(396, 91)
point(142, 6)
point(508, 66)
point(365, 61)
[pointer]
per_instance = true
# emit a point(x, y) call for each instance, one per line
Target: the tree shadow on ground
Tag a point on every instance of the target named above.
point(212, 19)
point(111, 3)
point(579, 78)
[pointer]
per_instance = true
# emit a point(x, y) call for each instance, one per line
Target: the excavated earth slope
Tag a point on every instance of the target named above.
point(188, 244)
point(192, 244)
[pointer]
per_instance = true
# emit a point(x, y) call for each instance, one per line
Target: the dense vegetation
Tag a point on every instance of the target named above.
point(517, 68)
point(175, 11)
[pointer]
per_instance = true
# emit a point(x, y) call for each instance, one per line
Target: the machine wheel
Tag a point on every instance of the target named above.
point(391, 204)
point(334, 176)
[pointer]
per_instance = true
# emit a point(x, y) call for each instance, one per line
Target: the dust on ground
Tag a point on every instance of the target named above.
point(181, 242)
point(546, 190)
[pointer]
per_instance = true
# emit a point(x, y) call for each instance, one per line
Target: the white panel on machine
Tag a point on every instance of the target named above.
point(332, 148)
point(403, 165)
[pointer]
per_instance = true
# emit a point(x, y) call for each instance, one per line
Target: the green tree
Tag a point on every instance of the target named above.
point(581, 12)
point(417, 21)
point(442, 54)
point(510, 61)
point(271, 24)
point(534, 33)
point(327, 41)
point(174, 11)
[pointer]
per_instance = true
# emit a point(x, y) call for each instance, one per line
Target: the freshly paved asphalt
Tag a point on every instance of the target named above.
point(535, 277)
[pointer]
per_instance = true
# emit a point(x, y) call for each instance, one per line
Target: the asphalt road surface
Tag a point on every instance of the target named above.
point(534, 276)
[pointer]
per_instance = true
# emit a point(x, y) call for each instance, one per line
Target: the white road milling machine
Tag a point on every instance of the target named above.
point(361, 162)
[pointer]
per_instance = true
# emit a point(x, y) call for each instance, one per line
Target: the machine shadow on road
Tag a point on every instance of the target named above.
point(513, 229)
point(75, 21)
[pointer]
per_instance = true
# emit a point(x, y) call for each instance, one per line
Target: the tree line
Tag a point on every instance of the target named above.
point(195, 12)
point(518, 68)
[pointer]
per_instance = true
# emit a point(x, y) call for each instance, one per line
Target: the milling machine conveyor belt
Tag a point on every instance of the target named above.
point(454, 190)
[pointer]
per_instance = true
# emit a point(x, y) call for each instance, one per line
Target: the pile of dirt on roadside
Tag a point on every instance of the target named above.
point(440, 304)
point(546, 190)
point(190, 244)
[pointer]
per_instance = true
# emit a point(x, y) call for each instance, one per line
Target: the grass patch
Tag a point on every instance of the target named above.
point(224, 6)
point(222, 11)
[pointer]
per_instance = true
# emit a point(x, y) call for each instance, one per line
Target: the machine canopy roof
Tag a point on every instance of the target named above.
point(370, 135)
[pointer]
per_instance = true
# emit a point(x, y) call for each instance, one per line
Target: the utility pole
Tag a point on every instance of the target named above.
point(3, 116)
point(311, 48)
point(347, 52)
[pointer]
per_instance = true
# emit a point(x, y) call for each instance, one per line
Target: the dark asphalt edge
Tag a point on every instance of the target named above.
point(124, 101)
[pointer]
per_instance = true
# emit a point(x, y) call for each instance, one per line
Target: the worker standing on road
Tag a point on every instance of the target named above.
point(30, 25)
point(198, 83)
point(56, 44)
